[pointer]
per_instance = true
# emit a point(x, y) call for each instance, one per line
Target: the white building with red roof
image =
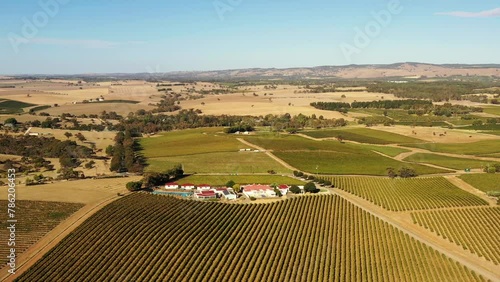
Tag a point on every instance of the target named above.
point(172, 185)
point(203, 187)
point(205, 195)
point(187, 186)
point(283, 189)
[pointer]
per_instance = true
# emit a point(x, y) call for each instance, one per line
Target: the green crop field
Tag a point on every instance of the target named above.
point(363, 135)
point(445, 161)
point(35, 219)
point(332, 157)
point(407, 194)
point(492, 110)
point(485, 182)
point(476, 230)
point(221, 180)
point(475, 148)
point(386, 150)
point(143, 237)
point(11, 106)
point(227, 162)
point(189, 142)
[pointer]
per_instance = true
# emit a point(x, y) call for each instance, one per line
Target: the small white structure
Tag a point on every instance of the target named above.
point(283, 189)
point(258, 191)
point(205, 195)
point(172, 185)
point(187, 186)
point(203, 187)
point(226, 193)
point(33, 134)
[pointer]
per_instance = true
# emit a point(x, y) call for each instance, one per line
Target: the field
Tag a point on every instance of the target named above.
point(221, 180)
point(35, 219)
point(445, 161)
point(407, 194)
point(492, 110)
point(225, 162)
point(155, 238)
point(331, 157)
point(386, 150)
point(484, 182)
point(475, 148)
point(476, 229)
point(363, 135)
point(11, 106)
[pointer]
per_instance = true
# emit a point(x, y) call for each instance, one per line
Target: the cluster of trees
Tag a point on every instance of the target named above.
point(124, 157)
point(492, 168)
point(332, 106)
point(393, 104)
point(185, 119)
point(27, 164)
point(436, 91)
point(449, 110)
point(152, 179)
point(170, 103)
point(313, 178)
point(403, 172)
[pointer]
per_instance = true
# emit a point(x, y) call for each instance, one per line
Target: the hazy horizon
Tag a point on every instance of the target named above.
point(73, 37)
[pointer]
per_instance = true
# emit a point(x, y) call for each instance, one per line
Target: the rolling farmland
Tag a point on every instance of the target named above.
point(363, 135)
point(448, 162)
point(407, 194)
point(475, 229)
point(152, 238)
point(476, 148)
point(484, 182)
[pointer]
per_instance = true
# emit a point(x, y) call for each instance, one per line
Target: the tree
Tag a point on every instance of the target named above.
point(109, 150)
point(295, 189)
point(237, 188)
point(68, 134)
point(10, 120)
point(278, 192)
point(391, 172)
point(406, 172)
point(134, 186)
point(90, 164)
point(310, 188)
point(230, 183)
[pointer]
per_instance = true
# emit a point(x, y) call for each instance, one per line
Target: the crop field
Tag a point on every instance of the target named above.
point(11, 106)
point(485, 182)
point(492, 110)
point(223, 162)
point(363, 135)
point(157, 238)
point(387, 150)
point(332, 157)
point(445, 161)
point(189, 142)
point(221, 180)
point(408, 194)
point(475, 148)
point(476, 230)
point(34, 220)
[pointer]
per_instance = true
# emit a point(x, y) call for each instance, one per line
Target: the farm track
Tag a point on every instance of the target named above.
point(271, 155)
point(51, 239)
point(469, 188)
point(402, 221)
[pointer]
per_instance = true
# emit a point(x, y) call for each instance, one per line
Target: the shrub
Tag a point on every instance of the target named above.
point(311, 188)
point(295, 189)
point(134, 186)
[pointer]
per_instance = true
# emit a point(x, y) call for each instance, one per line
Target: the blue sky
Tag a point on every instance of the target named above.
point(91, 36)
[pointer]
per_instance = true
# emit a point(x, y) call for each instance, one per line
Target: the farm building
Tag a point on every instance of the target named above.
point(203, 187)
point(283, 189)
point(205, 195)
point(258, 191)
point(171, 185)
point(188, 186)
point(225, 193)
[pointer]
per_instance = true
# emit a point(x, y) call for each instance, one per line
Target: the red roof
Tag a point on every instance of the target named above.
point(204, 185)
point(207, 193)
point(283, 186)
point(187, 184)
point(172, 184)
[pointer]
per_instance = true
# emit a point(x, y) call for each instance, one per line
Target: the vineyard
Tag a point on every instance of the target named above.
point(476, 229)
point(407, 194)
point(318, 238)
point(34, 220)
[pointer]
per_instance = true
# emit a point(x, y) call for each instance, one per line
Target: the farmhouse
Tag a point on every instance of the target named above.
point(203, 187)
point(225, 193)
point(258, 191)
point(172, 185)
point(283, 189)
point(188, 186)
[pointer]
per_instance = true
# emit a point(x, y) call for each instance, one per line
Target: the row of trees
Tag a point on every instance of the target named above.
point(124, 156)
point(152, 179)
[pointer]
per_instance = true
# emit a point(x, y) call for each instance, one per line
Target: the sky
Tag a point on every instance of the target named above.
point(130, 36)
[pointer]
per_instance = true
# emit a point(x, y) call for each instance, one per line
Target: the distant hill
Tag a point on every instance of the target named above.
point(397, 70)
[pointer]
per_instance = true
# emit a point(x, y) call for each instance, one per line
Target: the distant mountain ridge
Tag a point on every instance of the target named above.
point(366, 71)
